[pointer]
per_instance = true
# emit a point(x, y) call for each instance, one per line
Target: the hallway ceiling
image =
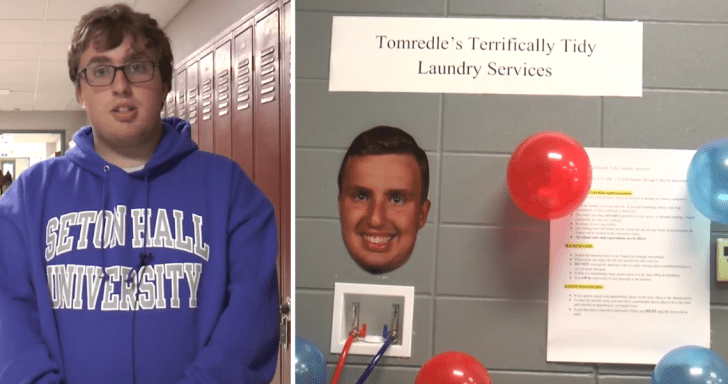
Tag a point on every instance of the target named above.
point(34, 39)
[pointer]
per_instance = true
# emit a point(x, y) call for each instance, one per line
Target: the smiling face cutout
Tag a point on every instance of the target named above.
point(381, 208)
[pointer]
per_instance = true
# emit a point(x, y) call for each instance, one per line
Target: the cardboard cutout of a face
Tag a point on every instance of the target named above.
point(381, 209)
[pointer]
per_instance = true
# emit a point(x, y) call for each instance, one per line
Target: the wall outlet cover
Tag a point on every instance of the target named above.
point(375, 310)
point(721, 260)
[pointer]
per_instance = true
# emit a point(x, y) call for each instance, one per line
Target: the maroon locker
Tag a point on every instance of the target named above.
point(244, 75)
point(180, 91)
point(170, 100)
point(222, 115)
point(206, 134)
point(242, 125)
point(285, 69)
point(192, 88)
point(285, 227)
point(267, 109)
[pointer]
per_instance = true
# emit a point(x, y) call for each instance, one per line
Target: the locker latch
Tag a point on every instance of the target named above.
point(285, 322)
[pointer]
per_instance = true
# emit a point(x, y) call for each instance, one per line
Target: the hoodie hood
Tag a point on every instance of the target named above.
point(176, 143)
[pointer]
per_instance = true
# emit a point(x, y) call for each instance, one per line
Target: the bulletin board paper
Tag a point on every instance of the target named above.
point(629, 272)
point(498, 56)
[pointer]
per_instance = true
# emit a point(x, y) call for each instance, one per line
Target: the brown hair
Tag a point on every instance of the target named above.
point(384, 140)
point(105, 29)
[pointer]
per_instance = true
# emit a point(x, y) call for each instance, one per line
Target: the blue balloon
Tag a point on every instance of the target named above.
point(691, 365)
point(310, 363)
point(708, 180)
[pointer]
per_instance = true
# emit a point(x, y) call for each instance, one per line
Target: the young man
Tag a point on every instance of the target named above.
point(113, 267)
point(383, 184)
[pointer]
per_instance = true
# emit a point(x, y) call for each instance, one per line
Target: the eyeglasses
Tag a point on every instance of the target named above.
point(102, 75)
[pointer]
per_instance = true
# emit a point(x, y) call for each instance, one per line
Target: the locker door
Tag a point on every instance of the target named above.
point(267, 114)
point(242, 127)
point(170, 100)
point(206, 93)
point(192, 88)
point(180, 91)
point(222, 114)
point(285, 260)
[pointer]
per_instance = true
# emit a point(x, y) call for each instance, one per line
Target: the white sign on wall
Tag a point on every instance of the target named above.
point(502, 56)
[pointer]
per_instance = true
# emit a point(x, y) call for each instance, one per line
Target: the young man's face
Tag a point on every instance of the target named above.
point(381, 210)
point(122, 114)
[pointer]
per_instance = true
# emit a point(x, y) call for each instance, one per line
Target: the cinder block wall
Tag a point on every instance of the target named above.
point(480, 267)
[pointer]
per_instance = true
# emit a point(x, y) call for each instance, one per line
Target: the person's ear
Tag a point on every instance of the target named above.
point(424, 211)
point(341, 204)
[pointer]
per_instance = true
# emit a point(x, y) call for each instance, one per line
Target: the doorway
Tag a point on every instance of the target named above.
point(20, 150)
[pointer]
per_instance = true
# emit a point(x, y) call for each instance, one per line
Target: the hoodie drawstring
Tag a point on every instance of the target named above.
point(104, 275)
point(145, 259)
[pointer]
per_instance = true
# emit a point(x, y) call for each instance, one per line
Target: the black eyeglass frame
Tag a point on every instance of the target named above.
point(123, 69)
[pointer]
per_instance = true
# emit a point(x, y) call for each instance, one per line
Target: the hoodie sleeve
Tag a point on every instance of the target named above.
point(24, 356)
point(243, 347)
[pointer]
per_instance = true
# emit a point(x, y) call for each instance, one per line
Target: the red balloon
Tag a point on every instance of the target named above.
point(549, 175)
point(453, 368)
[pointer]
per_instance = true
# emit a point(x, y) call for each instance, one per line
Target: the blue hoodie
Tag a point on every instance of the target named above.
point(163, 275)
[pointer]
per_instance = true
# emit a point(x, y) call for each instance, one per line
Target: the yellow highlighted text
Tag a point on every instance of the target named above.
point(583, 286)
point(601, 192)
point(579, 245)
